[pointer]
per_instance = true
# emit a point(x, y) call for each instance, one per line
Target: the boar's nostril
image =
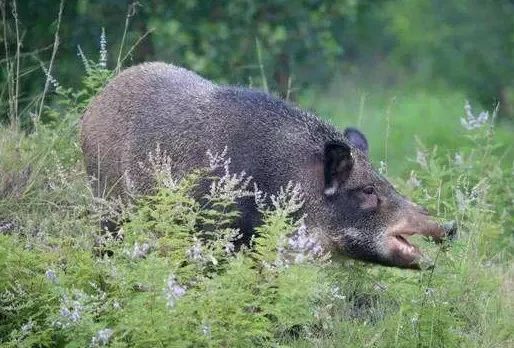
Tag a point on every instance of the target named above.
point(450, 229)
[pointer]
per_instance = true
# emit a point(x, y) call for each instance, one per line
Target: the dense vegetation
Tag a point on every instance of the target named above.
point(166, 281)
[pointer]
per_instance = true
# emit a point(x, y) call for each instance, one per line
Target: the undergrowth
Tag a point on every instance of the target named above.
point(176, 275)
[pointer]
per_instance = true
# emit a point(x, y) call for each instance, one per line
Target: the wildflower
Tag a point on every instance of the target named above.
point(84, 59)
point(465, 199)
point(260, 197)
point(289, 199)
point(140, 251)
point(73, 314)
point(7, 226)
point(415, 319)
point(382, 169)
point(161, 168)
point(413, 181)
point(102, 62)
point(195, 252)
point(129, 183)
point(458, 160)
point(51, 276)
point(206, 329)
point(218, 160)
point(229, 186)
point(421, 159)
point(471, 121)
point(101, 338)
point(27, 328)
point(335, 291)
point(380, 287)
point(101, 295)
point(476, 192)
point(71, 310)
point(173, 290)
point(229, 247)
point(298, 248)
point(50, 78)
point(462, 201)
point(306, 246)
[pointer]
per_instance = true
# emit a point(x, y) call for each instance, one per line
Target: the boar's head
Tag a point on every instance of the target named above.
point(362, 214)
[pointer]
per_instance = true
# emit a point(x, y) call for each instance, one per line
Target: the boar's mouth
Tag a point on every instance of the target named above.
point(402, 253)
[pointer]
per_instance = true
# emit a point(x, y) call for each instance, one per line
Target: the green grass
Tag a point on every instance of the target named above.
point(401, 118)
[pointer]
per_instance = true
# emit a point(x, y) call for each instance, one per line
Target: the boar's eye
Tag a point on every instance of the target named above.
point(369, 198)
point(369, 190)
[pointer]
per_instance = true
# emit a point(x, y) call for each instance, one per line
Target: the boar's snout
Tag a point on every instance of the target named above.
point(402, 253)
point(366, 218)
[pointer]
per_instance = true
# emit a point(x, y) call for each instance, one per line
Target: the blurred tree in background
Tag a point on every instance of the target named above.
point(465, 44)
point(218, 38)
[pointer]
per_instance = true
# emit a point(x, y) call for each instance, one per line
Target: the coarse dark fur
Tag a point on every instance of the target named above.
point(347, 203)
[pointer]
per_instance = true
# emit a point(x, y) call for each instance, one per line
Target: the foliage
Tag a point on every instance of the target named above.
point(295, 36)
point(395, 120)
point(466, 43)
point(224, 37)
point(291, 44)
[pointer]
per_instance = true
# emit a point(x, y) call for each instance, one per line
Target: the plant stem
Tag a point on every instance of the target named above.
point(131, 11)
point(261, 65)
point(50, 65)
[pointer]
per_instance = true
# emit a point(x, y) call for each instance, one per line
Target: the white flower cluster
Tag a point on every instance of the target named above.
point(140, 251)
point(458, 159)
point(102, 62)
point(77, 305)
point(260, 197)
point(7, 226)
point(289, 199)
point(218, 160)
point(206, 329)
point(71, 310)
point(51, 276)
point(50, 77)
point(304, 246)
point(101, 338)
point(336, 292)
point(471, 121)
point(173, 290)
point(195, 252)
point(161, 167)
point(421, 158)
point(229, 186)
point(413, 181)
point(230, 246)
point(27, 328)
point(465, 198)
point(382, 168)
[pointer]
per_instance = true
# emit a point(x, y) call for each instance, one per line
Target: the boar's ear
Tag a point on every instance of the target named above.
point(338, 166)
point(357, 139)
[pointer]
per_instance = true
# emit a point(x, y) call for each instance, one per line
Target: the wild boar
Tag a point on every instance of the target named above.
point(356, 211)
